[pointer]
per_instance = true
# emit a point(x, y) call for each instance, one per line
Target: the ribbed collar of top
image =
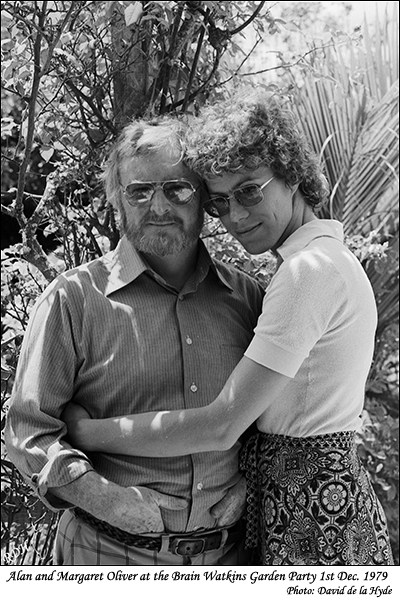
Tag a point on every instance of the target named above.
point(309, 232)
point(125, 264)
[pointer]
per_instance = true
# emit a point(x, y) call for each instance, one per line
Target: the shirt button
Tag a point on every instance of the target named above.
point(181, 297)
point(200, 486)
point(193, 387)
point(189, 340)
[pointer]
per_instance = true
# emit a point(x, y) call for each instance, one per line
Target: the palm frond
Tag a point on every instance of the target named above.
point(372, 184)
point(349, 111)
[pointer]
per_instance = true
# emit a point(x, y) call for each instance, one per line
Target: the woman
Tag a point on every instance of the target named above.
point(302, 379)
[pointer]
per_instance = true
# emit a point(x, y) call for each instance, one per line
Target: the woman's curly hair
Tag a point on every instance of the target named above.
point(245, 133)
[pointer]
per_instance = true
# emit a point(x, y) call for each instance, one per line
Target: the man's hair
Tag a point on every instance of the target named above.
point(141, 138)
point(248, 132)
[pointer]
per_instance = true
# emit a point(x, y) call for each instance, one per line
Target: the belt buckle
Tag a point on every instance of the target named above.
point(187, 546)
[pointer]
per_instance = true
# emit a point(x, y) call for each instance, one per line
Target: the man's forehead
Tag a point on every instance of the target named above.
point(156, 166)
point(158, 139)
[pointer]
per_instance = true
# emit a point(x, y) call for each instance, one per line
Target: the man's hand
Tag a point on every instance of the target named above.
point(232, 506)
point(137, 509)
point(133, 509)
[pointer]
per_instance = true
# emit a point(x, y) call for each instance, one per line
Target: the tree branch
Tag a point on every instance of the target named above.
point(52, 183)
point(18, 205)
point(198, 91)
point(80, 95)
point(249, 20)
point(56, 39)
point(33, 253)
point(282, 66)
point(195, 61)
point(38, 72)
point(170, 57)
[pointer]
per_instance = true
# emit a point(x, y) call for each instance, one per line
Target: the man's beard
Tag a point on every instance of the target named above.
point(162, 243)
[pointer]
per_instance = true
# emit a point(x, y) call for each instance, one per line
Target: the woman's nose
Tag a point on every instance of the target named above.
point(237, 212)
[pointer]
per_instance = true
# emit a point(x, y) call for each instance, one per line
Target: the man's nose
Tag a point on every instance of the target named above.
point(237, 212)
point(159, 204)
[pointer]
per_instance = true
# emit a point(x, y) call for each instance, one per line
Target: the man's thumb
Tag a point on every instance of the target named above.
point(220, 508)
point(171, 502)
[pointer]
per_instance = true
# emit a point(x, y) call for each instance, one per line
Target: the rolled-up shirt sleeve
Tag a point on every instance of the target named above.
point(44, 383)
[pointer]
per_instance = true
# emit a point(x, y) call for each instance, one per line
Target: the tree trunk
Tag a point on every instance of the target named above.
point(129, 63)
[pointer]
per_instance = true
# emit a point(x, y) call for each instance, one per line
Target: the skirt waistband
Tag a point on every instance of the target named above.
point(339, 439)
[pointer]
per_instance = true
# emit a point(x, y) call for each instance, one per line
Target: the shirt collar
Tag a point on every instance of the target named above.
point(214, 266)
point(125, 264)
point(309, 232)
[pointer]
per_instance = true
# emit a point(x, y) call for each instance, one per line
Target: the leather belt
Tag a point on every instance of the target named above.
point(182, 544)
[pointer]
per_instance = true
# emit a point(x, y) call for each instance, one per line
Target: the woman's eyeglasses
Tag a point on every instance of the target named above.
point(247, 195)
point(176, 191)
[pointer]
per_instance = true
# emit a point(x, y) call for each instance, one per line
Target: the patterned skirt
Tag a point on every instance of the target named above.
point(311, 502)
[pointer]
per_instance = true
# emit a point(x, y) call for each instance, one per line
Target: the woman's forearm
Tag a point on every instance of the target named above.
point(176, 433)
point(156, 434)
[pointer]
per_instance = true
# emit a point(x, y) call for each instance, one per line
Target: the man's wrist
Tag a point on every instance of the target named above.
point(91, 492)
point(134, 509)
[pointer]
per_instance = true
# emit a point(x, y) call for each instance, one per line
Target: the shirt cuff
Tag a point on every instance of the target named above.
point(58, 472)
point(274, 357)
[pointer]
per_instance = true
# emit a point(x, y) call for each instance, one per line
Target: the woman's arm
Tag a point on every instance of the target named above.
point(245, 396)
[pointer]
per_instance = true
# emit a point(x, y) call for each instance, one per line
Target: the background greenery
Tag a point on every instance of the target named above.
point(73, 73)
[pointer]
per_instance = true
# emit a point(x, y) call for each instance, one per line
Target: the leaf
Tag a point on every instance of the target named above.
point(8, 69)
point(6, 17)
point(290, 26)
point(5, 368)
point(50, 230)
point(66, 38)
point(46, 152)
point(132, 13)
point(55, 16)
point(96, 135)
point(19, 48)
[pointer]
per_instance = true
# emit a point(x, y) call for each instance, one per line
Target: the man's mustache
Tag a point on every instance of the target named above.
point(158, 220)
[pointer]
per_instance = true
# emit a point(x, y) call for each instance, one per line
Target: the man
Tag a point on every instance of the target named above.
point(155, 325)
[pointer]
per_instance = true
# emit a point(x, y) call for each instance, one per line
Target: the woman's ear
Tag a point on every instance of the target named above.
point(294, 188)
point(296, 195)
